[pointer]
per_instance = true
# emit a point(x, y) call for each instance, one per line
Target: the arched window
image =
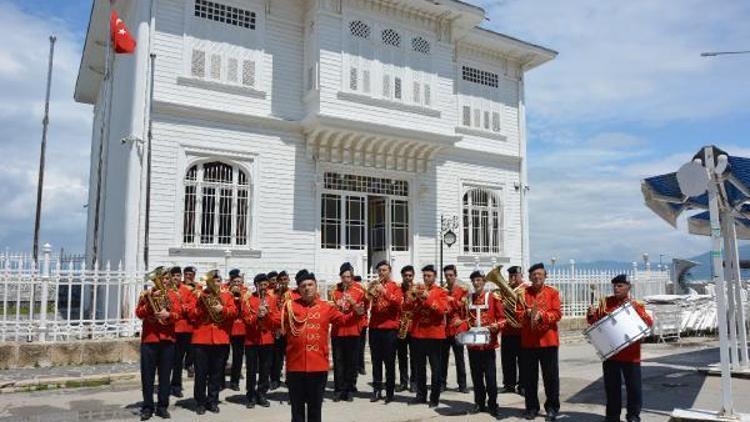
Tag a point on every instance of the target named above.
point(391, 37)
point(481, 218)
point(217, 205)
point(359, 29)
point(420, 45)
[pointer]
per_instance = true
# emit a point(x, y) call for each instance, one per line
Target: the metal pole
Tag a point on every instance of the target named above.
point(440, 239)
point(728, 278)
point(727, 406)
point(149, 138)
point(45, 125)
point(733, 267)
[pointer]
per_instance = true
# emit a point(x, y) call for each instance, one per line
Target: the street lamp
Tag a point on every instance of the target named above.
point(645, 261)
point(447, 236)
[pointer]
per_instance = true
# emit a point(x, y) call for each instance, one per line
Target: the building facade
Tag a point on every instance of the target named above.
point(304, 133)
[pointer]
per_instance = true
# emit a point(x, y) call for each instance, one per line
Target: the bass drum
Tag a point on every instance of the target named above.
point(477, 336)
point(616, 331)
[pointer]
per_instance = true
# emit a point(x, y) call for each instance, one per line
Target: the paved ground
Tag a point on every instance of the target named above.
point(668, 374)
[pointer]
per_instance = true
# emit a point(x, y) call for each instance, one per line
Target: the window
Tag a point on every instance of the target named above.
point(330, 223)
point(366, 81)
point(222, 13)
point(420, 45)
point(466, 116)
point(480, 77)
point(217, 205)
point(355, 222)
point(198, 63)
point(215, 66)
point(232, 70)
point(427, 95)
point(397, 88)
point(365, 184)
point(386, 86)
point(399, 225)
point(481, 221)
point(359, 29)
point(353, 78)
point(391, 37)
point(417, 92)
point(248, 73)
point(495, 121)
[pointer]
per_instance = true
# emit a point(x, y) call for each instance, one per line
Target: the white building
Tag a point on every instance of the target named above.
point(303, 133)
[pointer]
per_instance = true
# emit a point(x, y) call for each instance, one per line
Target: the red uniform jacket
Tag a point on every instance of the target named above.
point(206, 331)
point(238, 327)
point(183, 324)
point(153, 331)
point(385, 312)
point(544, 333)
point(428, 316)
point(258, 331)
point(456, 308)
point(352, 326)
point(307, 337)
point(631, 353)
point(493, 318)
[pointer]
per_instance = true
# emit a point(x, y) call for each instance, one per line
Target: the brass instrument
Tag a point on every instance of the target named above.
point(510, 297)
point(407, 317)
point(157, 296)
point(212, 296)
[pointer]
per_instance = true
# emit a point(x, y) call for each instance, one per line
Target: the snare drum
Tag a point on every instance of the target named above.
point(477, 336)
point(616, 331)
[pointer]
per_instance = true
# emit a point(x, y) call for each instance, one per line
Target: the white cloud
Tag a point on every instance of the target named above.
point(23, 64)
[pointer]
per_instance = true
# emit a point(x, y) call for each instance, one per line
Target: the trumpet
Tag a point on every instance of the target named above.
point(157, 297)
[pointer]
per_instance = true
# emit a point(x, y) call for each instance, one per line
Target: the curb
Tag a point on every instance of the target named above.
point(42, 384)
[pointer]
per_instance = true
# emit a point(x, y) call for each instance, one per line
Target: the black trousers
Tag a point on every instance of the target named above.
point(345, 355)
point(484, 377)
point(362, 343)
point(405, 365)
point(458, 354)
point(547, 358)
point(156, 357)
point(383, 351)
point(424, 350)
point(306, 395)
point(614, 372)
point(238, 351)
point(279, 350)
point(258, 360)
point(183, 350)
point(209, 372)
point(510, 355)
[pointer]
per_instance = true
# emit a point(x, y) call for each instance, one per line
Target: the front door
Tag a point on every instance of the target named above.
point(388, 231)
point(343, 234)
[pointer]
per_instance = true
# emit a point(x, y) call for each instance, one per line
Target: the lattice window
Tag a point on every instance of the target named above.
point(353, 78)
point(495, 121)
point(481, 77)
point(399, 225)
point(330, 223)
point(420, 45)
point(217, 205)
point(466, 120)
point(391, 37)
point(359, 29)
point(215, 66)
point(481, 221)
point(232, 66)
point(365, 184)
point(397, 88)
point(198, 63)
point(355, 222)
point(222, 13)
point(248, 72)
point(427, 95)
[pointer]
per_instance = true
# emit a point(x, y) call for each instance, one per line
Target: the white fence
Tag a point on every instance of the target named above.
point(54, 302)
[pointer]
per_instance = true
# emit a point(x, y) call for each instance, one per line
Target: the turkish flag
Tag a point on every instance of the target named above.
point(122, 41)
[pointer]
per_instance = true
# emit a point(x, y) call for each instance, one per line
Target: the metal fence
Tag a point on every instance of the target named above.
point(66, 300)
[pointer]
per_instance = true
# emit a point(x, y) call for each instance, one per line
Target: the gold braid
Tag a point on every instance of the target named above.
point(293, 321)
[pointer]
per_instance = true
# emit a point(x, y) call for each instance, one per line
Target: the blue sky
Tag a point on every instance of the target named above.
point(628, 97)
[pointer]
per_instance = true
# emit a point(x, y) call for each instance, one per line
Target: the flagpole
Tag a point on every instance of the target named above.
point(149, 138)
point(45, 125)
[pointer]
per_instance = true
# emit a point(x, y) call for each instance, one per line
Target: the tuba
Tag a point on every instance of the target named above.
point(510, 297)
point(158, 297)
point(212, 296)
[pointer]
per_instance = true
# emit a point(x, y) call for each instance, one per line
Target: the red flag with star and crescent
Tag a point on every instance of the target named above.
point(122, 41)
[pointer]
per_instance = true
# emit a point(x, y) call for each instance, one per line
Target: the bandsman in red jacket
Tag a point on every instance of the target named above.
point(405, 352)
point(428, 305)
point(281, 293)
point(539, 314)
point(183, 328)
point(385, 316)
point(489, 307)
point(363, 323)
point(159, 308)
point(510, 343)
point(213, 313)
point(625, 364)
point(457, 296)
point(236, 286)
point(345, 335)
point(257, 314)
point(305, 321)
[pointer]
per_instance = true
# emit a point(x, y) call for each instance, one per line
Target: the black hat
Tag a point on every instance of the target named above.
point(303, 275)
point(476, 274)
point(407, 268)
point(260, 277)
point(429, 267)
point(283, 274)
point(189, 270)
point(450, 267)
point(346, 267)
point(234, 273)
point(383, 262)
point(621, 278)
point(514, 270)
point(537, 266)
point(272, 274)
point(175, 270)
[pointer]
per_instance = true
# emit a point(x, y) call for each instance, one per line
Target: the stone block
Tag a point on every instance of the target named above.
point(66, 353)
point(130, 350)
point(104, 351)
point(8, 355)
point(33, 355)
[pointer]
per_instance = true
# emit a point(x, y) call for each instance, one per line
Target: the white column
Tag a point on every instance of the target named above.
point(524, 177)
point(47, 250)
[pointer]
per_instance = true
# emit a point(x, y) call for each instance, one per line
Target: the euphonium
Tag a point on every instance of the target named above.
point(212, 297)
point(157, 296)
point(511, 297)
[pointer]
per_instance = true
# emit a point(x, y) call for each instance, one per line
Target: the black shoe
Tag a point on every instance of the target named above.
point(274, 385)
point(163, 413)
point(477, 408)
point(418, 400)
point(336, 397)
point(376, 396)
point(443, 388)
point(463, 390)
point(349, 396)
point(146, 414)
point(177, 392)
point(493, 410)
point(412, 388)
point(551, 415)
point(263, 402)
point(389, 398)
point(530, 414)
point(508, 389)
point(432, 404)
point(234, 386)
point(401, 388)
point(214, 408)
point(200, 410)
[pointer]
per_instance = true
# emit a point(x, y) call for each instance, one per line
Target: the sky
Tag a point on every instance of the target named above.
point(628, 97)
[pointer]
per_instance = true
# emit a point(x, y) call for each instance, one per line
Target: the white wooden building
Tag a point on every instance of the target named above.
point(303, 133)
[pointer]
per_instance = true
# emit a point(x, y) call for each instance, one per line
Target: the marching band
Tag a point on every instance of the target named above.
point(191, 325)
